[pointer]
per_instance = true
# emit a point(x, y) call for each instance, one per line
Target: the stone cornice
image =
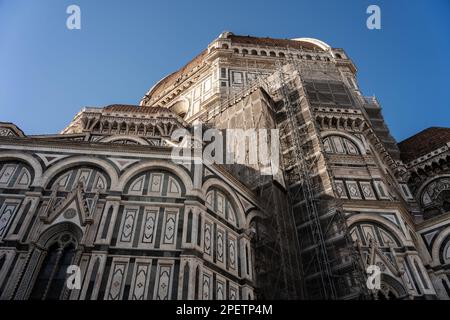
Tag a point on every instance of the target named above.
point(82, 145)
point(429, 158)
point(433, 221)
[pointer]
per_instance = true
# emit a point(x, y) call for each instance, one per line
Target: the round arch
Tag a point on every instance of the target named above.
point(319, 43)
point(138, 140)
point(350, 137)
point(216, 183)
point(180, 107)
point(156, 86)
point(28, 159)
point(427, 182)
point(253, 214)
point(391, 227)
point(438, 243)
point(154, 165)
point(77, 161)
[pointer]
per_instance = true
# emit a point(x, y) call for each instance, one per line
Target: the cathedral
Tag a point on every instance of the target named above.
point(350, 214)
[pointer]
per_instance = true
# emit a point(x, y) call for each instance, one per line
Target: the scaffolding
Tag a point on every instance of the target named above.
point(303, 248)
point(304, 193)
point(332, 267)
point(277, 255)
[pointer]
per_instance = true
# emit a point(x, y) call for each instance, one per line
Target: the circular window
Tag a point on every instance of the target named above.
point(70, 213)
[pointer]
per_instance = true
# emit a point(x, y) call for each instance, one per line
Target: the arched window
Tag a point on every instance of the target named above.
point(281, 55)
point(244, 51)
point(115, 127)
point(254, 52)
point(340, 145)
point(155, 183)
point(197, 280)
point(435, 197)
point(51, 279)
point(367, 232)
point(263, 53)
point(236, 50)
point(308, 57)
point(186, 281)
point(247, 260)
point(337, 55)
point(15, 175)
point(218, 202)
point(225, 46)
point(445, 251)
point(376, 242)
point(92, 178)
point(272, 54)
point(189, 227)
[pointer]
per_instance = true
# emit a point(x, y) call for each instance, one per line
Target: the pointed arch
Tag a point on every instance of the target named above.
point(49, 234)
point(394, 286)
point(185, 288)
point(197, 283)
point(59, 244)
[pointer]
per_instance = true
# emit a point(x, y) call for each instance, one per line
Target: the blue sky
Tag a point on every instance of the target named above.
point(48, 73)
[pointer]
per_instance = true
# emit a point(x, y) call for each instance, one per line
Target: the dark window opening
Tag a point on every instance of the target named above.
point(52, 275)
point(185, 281)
